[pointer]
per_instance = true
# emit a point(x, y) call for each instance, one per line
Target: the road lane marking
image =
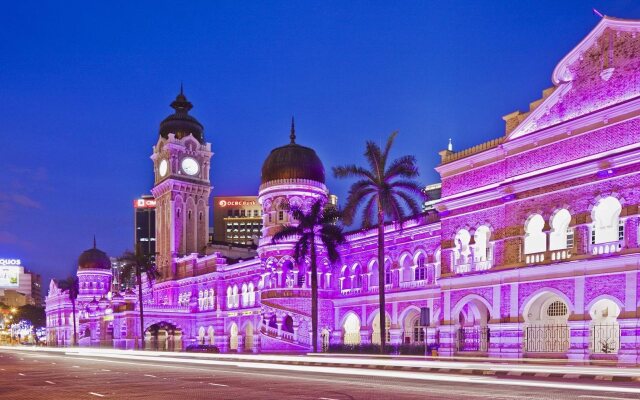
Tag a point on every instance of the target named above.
point(218, 384)
point(75, 366)
point(21, 374)
point(105, 370)
point(150, 376)
point(96, 394)
point(585, 396)
point(49, 382)
point(326, 398)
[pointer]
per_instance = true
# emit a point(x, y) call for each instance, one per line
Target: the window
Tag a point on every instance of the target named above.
point(418, 332)
point(462, 250)
point(558, 237)
point(358, 277)
point(280, 215)
point(421, 269)
point(481, 248)
point(535, 240)
point(606, 217)
point(252, 295)
point(557, 309)
point(229, 297)
point(245, 295)
point(387, 273)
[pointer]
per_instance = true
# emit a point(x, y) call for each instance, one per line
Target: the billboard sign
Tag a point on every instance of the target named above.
point(9, 276)
point(144, 203)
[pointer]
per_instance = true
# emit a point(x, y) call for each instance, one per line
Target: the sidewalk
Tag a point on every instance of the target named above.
point(553, 370)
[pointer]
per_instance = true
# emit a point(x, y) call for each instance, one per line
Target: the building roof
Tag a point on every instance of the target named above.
point(180, 123)
point(94, 258)
point(292, 161)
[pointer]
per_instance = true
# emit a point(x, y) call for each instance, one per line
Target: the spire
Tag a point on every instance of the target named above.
point(292, 136)
point(94, 240)
point(181, 104)
point(450, 145)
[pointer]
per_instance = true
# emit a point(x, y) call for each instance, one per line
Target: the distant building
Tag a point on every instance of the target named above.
point(433, 193)
point(145, 225)
point(237, 220)
point(18, 286)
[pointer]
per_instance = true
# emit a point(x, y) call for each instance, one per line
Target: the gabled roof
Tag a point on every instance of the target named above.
point(563, 77)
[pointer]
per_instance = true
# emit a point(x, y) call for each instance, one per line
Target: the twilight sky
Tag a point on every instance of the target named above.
point(84, 87)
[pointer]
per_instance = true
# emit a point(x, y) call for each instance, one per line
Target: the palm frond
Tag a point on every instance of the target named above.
point(404, 167)
point(387, 148)
point(374, 158)
point(286, 232)
point(351, 171)
point(410, 201)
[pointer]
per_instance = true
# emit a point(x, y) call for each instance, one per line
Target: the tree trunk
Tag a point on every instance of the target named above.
point(75, 329)
point(381, 280)
point(314, 297)
point(139, 276)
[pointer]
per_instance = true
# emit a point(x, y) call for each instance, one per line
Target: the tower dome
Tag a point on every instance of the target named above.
point(180, 123)
point(292, 161)
point(94, 259)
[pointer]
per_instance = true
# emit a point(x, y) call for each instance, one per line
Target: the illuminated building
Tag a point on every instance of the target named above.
point(237, 219)
point(18, 286)
point(532, 249)
point(145, 225)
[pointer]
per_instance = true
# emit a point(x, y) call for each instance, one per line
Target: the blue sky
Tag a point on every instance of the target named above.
point(84, 86)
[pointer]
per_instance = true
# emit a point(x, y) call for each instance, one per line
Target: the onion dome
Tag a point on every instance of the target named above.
point(94, 259)
point(292, 161)
point(180, 123)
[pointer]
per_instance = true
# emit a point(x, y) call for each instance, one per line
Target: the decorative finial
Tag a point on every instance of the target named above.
point(450, 145)
point(94, 240)
point(181, 91)
point(292, 136)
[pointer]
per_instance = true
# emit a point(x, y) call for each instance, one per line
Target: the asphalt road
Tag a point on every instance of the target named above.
point(25, 375)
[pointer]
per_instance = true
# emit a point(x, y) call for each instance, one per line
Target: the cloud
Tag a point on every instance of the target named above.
point(25, 201)
point(11, 239)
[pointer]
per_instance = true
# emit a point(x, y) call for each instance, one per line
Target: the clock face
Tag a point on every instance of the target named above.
point(190, 166)
point(164, 166)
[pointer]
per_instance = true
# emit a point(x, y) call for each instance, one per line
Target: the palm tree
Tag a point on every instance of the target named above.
point(71, 285)
point(386, 188)
point(139, 264)
point(317, 227)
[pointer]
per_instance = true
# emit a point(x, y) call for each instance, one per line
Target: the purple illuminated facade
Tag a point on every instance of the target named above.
point(533, 251)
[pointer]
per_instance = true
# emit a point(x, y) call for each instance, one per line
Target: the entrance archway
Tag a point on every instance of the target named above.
point(546, 327)
point(351, 330)
point(473, 332)
point(163, 336)
point(375, 329)
point(248, 337)
point(604, 333)
point(233, 337)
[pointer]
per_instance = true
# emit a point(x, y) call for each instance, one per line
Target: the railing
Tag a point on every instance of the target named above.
point(546, 338)
point(473, 266)
point(605, 338)
point(413, 284)
point(475, 338)
point(376, 289)
point(535, 258)
point(606, 248)
point(346, 292)
point(165, 307)
point(552, 255)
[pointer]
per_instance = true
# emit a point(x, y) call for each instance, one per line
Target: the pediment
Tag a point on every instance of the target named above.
point(601, 71)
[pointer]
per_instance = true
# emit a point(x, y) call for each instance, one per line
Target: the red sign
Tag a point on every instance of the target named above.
point(225, 203)
point(144, 203)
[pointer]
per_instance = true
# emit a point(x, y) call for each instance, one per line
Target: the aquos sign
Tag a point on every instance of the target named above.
point(144, 203)
point(227, 203)
point(10, 261)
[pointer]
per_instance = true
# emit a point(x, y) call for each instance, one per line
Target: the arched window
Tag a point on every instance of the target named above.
point(212, 299)
point(236, 300)
point(245, 295)
point(357, 274)
point(387, 272)
point(606, 221)
point(560, 231)
point(481, 249)
point(252, 295)
point(346, 278)
point(535, 240)
point(373, 269)
point(462, 250)
point(421, 268)
point(229, 297)
point(418, 332)
point(557, 309)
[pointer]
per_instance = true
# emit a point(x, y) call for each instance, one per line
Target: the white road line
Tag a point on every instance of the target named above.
point(150, 376)
point(326, 398)
point(49, 382)
point(96, 394)
point(105, 370)
point(21, 374)
point(586, 396)
point(75, 366)
point(218, 384)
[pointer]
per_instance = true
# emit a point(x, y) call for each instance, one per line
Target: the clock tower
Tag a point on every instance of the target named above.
point(181, 161)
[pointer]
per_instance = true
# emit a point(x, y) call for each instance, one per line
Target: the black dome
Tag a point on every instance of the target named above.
point(94, 259)
point(181, 123)
point(292, 162)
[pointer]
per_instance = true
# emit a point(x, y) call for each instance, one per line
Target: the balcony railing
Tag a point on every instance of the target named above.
point(472, 266)
point(413, 284)
point(606, 248)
